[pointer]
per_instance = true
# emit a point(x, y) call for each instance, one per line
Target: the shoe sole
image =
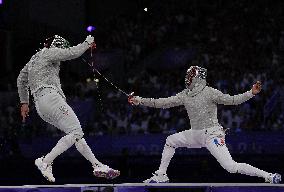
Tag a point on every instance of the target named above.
point(37, 162)
point(152, 181)
point(109, 175)
point(277, 179)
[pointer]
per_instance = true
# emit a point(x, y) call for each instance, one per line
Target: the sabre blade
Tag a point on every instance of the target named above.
point(94, 69)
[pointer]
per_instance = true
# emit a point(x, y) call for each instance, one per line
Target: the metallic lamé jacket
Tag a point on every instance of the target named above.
point(202, 107)
point(43, 70)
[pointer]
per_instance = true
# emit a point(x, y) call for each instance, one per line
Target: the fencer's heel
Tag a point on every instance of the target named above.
point(157, 178)
point(45, 169)
point(105, 172)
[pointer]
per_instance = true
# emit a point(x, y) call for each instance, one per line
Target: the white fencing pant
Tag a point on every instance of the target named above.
point(53, 109)
point(214, 140)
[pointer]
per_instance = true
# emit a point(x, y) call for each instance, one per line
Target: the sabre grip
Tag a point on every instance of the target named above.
point(130, 97)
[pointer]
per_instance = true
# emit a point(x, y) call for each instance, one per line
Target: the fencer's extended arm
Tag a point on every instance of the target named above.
point(226, 99)
point(57, 54)
point(22, 84)
point(168, 102)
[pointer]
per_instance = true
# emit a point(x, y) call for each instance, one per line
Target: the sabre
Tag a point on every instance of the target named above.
point(106, 79)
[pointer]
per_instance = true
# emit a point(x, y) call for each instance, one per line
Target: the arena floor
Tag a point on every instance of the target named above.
point(141, 187)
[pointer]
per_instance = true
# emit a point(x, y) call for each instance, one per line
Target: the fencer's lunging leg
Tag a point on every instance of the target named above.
point(181, 139)
point(223, 156)
point(172, 142)
point(160, 176)
point(167, 155)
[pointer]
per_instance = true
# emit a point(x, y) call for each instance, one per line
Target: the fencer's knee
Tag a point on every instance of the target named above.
point(231, 167)
point(78, 134)
point(170, 141)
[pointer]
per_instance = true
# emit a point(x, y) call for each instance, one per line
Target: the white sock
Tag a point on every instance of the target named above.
point(167, 155)
point(62, 145)
point(85, 150)
point(247, 169)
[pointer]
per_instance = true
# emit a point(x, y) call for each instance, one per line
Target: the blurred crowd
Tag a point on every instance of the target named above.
point(238, 42)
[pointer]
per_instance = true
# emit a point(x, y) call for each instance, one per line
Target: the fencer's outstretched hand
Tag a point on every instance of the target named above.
point(256, 88)
point(90, 39)
point(134, 100)
point(24, 111)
